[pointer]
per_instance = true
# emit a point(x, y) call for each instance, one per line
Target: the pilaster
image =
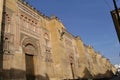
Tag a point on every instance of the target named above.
point(1, 11)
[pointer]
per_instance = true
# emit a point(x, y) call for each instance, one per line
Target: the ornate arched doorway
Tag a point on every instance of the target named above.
point(30, 50)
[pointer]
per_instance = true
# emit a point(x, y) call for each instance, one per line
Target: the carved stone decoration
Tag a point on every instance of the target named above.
point(8, 13)
point(30, 46)
point(29, 49)
point(48, 57)
point(27, 10)
point(8, 44)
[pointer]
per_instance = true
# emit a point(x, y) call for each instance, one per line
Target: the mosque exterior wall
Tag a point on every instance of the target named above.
point(37, 47)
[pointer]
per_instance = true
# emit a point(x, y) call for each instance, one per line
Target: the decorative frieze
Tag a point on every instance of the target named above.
point(28, 11)
point(29, 25)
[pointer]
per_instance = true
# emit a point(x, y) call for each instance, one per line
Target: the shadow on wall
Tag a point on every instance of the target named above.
point(108, 75)
point(15, 74)
point(2, 37)
point(1, 61)
point(88, 76)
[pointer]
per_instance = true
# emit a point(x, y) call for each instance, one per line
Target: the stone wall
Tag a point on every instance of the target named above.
point(32, 38)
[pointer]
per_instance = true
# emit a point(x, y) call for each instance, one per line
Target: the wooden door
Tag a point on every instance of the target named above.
point(29, 67)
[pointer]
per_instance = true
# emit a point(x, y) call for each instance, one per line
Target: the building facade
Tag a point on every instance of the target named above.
point(37, 47)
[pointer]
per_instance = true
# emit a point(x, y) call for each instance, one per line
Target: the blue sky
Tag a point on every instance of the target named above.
point(90, 19)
